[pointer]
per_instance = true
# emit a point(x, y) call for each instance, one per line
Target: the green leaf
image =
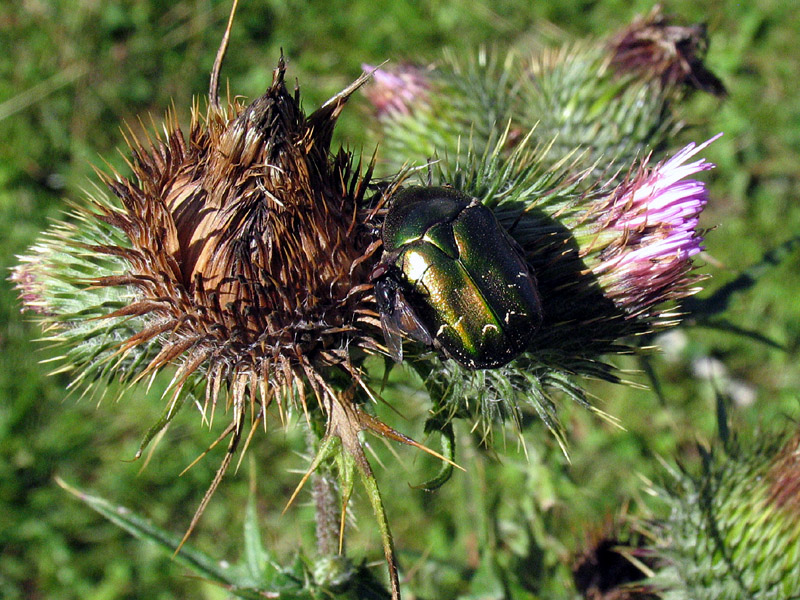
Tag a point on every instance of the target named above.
point(233, 578)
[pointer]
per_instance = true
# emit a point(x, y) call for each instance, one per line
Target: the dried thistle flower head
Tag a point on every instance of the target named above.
point(653, 47)
point(247, 247)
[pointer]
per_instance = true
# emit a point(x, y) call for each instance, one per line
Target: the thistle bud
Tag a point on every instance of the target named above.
point(733, 530)
point(396, 91)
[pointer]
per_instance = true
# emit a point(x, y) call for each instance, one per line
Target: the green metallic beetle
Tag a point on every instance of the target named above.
point(452, 278)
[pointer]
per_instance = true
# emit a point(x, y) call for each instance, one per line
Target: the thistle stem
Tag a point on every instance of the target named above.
point(327, 512)
point(326, 503)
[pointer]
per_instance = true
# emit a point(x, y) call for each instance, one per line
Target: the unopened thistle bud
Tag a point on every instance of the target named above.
point(734, 530)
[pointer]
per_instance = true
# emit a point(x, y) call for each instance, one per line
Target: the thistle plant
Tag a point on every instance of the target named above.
point(624, 250)
point(242, 256)
point(613, 564)
point(725, 529)
point(732, 530)
point(604, 103)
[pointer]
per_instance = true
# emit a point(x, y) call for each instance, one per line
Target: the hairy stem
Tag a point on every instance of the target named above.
point(327, 512)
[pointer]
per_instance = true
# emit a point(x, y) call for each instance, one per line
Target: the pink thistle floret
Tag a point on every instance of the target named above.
point(395, 91)
point(657, 214)
point(27, 278)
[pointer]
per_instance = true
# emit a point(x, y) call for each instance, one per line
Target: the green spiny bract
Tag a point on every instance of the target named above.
point(734, 530)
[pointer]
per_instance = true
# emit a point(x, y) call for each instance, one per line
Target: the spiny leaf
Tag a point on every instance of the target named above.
point(233, 578)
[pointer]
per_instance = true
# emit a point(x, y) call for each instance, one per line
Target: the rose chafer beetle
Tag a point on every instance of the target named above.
point(452, 278)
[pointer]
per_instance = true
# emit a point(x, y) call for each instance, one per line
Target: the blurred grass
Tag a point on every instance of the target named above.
point(72, 72)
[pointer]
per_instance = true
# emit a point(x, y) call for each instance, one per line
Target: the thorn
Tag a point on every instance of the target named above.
point(213, 487)
point(213, 88)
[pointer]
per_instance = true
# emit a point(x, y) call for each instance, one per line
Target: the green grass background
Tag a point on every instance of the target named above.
point(71, 72)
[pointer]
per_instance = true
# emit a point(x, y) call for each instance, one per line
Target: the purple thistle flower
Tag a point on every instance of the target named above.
point(27, 278)
point(657, 211)
point(396, 91)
